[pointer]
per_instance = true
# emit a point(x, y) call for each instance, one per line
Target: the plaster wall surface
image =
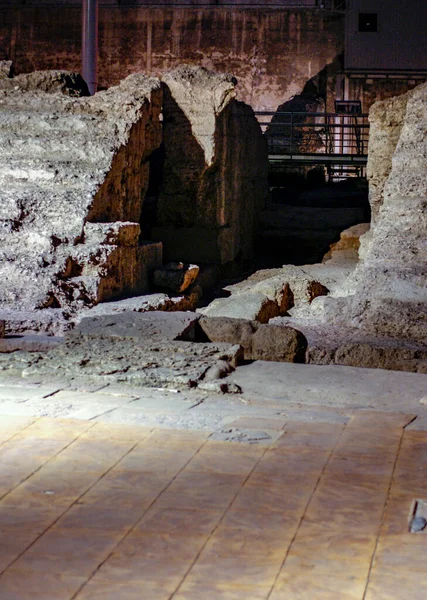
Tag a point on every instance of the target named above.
point(272, 52)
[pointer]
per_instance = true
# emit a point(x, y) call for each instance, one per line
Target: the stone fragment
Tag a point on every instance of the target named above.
point(348, 245)
point(220, 387)
point(252, 307)
point(73, 174)
point(52, 321)
point(286, 286)
point(218, 371)
point(259, 342)
point(176, 276)
point(232, 354)
point(277, 290)
point(332, 344)
point(2, 329)
point(51, 82)
point(6, 69)
point(145, 303)
point(304, 288)
point(146, 326)
point(229, 330)
point(276, 343)
point(210, 198)
point(186, 301)
point(29, 343)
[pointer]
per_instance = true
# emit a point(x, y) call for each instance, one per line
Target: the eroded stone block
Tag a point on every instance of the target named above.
point(150, 326)
point(259, 342)
point(73, 174)
point(215, 170)
point(252, 307)
point(176, 276)
point(390, 297)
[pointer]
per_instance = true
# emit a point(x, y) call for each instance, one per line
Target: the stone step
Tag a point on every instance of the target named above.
point(329, 344)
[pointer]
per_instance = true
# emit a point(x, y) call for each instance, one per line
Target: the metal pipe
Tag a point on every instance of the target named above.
point(90, 44)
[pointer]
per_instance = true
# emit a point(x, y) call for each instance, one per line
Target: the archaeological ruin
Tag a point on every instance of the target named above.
point(76, 172)
point(213, 299)
point(165, 192)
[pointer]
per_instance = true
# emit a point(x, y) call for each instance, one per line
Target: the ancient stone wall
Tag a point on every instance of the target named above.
point(273, 52)
point(215, 169)
point(372, 90)
point(391, 292)
point(386, 121)
point(73, 173)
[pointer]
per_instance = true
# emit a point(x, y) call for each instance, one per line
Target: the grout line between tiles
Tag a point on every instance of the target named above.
point(74, 501)
point(387, 501)
point(47, 461)
point(219, 522)
point(306, 508)
point(75, 595)
point(19, 431)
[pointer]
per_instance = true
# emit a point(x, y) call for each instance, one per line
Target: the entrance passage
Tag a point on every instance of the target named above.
point(338, 142)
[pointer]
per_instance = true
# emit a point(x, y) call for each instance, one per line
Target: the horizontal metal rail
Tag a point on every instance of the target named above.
point(315, 138)
point(318, 159)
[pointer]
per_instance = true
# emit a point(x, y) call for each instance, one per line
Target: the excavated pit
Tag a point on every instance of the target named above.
point(152, 177)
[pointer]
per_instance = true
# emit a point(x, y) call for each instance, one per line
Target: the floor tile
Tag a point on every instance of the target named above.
point(204, 491)
point(179, 521)
point(404, 584)
point(15, 543)
point(211, 590)
point(329, 586)
point(225, 458)
point(77, 552)
point(259, 423)
point(153, 558)
point(18, 584)
point(98, 518)
point(128, 433)
point(275, 523)
point(100, 589)
point(147, 514)
point(65, 429)
point(274, 498)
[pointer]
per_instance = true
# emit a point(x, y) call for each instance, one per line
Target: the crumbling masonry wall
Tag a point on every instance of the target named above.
point(215, 175)
point(75, 170)
point(390, 297)
point(273, 52)
point(73, 174)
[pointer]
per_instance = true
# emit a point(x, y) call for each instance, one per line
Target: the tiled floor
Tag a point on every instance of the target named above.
point(94, 511)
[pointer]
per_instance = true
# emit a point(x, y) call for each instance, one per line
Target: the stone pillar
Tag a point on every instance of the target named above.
point(215, 170)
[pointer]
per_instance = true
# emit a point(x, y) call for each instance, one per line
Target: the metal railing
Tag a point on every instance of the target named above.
point(300, 133)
